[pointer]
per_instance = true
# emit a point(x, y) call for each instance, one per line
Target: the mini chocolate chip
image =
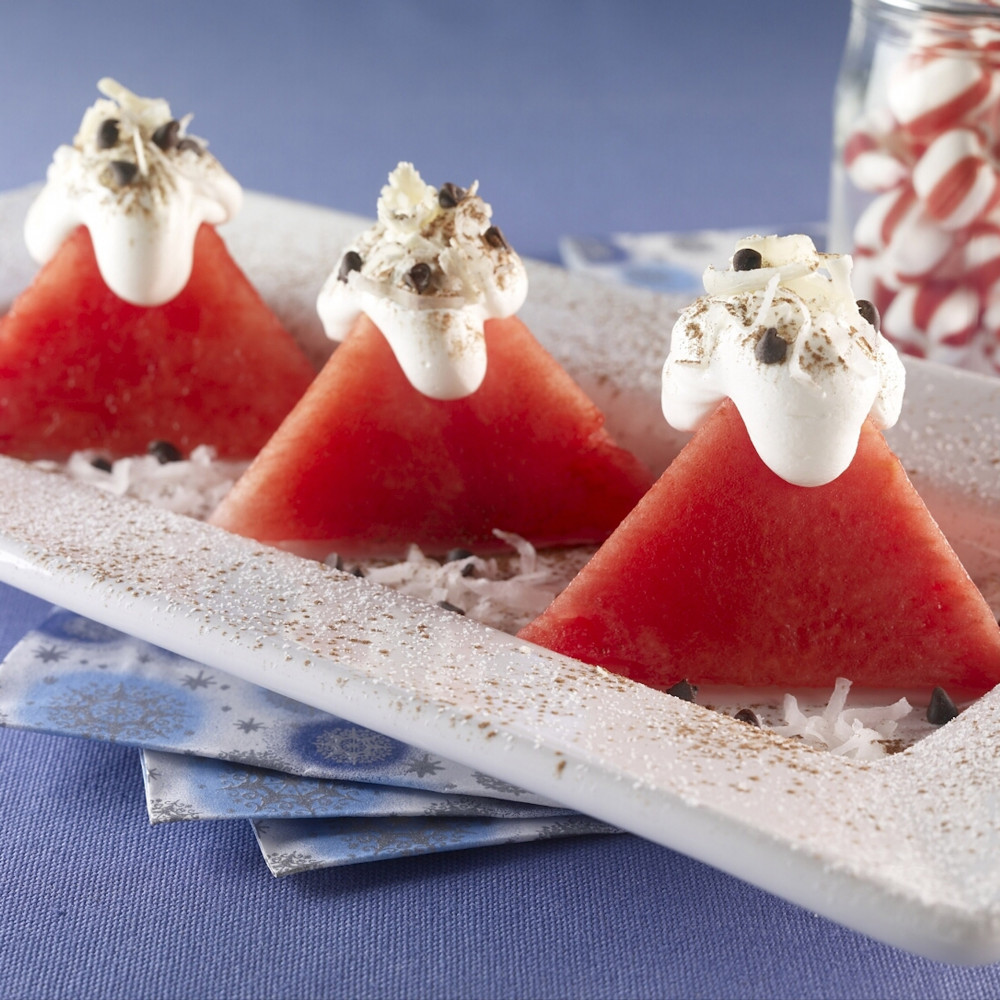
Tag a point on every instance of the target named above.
point(448, 606)
point(941, 708)
point(357, 571)
point(749, 716)
point(187, 143)
point(869, 312)
point(102, 463)
point(164, 452)
point(168, 134)
point(457, 555)
point(495, 238)
point(124, 171)
point(684, 690)
point(450, 195)
point(419, 277)
point(351, 261)
point(338, 563)
point(770, 349)
point(107, 133)
point(747, 260)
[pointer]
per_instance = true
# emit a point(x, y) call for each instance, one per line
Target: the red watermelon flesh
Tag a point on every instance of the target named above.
point(80, 368)
point(365, 465)
point(727, 574)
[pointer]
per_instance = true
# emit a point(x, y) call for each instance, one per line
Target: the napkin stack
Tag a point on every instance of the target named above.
point(318, 790)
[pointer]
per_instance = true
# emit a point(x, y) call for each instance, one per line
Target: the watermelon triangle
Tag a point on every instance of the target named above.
point(80, 368)
point(365, 465)
point(727, 574)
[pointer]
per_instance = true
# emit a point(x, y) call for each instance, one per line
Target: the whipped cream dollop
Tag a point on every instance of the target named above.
point(142, 186)
point(429, 273)
point(781, 334)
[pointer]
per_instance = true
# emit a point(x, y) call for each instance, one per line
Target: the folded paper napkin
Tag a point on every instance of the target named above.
point(319, 790)
point(663, 262)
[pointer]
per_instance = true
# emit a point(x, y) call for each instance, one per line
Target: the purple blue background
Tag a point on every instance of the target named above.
point(577, 117)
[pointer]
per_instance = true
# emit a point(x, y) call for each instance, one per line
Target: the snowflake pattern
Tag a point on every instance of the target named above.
point(401, 838)
point(328, 843)
point(574, 826)
point(231, 719)
point(110, 709)
point(170, 811)
point(50, 654)
point(497, 785)
point(424, 766)
point(354, 746)
point(101, 684)
point(470, 805)
point(271, 793)
point(223, 789)
point(347, 745)
point(199, 680)
point(292, 863)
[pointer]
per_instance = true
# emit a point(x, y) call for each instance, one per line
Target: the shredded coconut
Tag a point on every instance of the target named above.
point(505, 593)
point(850, 732)
point(193, 487)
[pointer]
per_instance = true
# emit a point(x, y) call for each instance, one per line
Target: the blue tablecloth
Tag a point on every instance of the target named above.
point(576, 117)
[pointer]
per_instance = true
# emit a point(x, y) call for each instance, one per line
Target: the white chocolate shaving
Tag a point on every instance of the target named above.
point(435, 330)
point(143, 231)
point(804, 412)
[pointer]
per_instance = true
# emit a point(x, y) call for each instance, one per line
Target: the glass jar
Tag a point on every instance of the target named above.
point(915, 189)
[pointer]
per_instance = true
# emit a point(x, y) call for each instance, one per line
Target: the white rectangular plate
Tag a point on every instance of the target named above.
point(902, 849)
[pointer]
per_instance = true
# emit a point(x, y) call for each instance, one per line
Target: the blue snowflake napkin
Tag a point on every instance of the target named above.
point(292, 846)
point(663, 262)
point(182, 787)
point(215, 746)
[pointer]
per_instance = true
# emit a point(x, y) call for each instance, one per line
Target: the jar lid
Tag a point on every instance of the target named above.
point(959, 8)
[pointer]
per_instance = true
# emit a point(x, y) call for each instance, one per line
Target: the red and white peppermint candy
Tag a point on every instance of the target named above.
point(979, 38)
point(873, 157)
point(936, 320)
point(981, 257)
point(955, 179)
point(877, 225)
point(918, 248)
point(870, 166)
point(898, 324)
point(896, 227)
point(929, 93)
